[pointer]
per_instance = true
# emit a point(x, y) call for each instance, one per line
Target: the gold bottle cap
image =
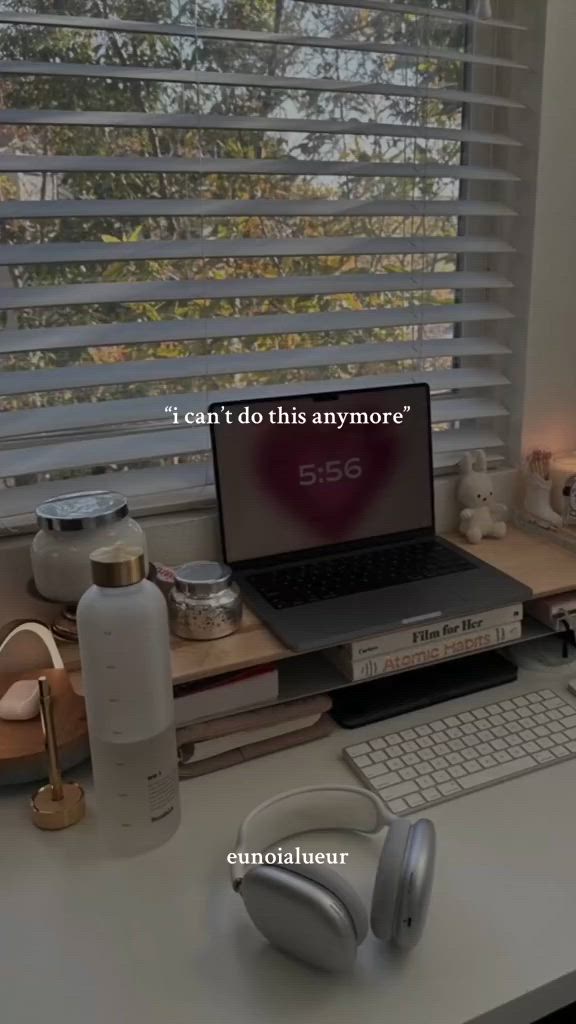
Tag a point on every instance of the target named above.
point(117, 566)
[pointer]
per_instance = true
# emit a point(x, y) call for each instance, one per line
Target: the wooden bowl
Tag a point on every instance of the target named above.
point(22, 755)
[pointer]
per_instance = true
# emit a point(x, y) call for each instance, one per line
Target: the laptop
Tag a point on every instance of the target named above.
point(326, 508)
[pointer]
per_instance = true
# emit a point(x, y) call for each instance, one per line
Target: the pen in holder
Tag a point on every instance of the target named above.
point(58, 804)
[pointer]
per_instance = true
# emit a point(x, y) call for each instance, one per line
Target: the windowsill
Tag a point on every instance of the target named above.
point(156, 502)
point(153, 493)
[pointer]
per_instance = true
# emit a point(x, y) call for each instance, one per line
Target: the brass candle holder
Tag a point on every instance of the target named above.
point(58, 804)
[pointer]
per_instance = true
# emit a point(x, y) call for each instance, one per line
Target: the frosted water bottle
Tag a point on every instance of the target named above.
point(125, 655)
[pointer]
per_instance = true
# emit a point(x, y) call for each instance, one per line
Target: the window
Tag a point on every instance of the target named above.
point(259, 195)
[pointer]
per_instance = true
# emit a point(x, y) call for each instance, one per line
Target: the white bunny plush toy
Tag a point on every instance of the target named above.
point(481, 516)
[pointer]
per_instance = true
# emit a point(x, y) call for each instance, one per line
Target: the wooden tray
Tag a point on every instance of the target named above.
point(22, 756)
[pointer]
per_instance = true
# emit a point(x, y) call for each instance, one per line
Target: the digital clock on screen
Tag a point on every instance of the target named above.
point(331, 472)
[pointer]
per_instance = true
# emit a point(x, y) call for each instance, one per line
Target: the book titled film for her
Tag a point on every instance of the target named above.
point(429, 632)
point(428, 653)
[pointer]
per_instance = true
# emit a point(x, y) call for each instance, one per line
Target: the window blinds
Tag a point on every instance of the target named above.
point(220, 198)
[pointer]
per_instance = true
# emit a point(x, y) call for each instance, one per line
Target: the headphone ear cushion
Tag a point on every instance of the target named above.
point(300, 917)
point(340, 888)
point(389, 879)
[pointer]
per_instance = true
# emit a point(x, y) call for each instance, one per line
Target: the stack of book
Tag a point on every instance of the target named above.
point(406, 649)
point(225, 694)
point(221, 721)
point(220, 743)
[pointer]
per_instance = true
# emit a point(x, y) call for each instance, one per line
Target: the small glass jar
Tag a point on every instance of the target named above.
point(71, 527)
point(204, 604)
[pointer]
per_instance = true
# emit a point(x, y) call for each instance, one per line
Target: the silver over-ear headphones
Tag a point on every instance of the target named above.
point(308, 910)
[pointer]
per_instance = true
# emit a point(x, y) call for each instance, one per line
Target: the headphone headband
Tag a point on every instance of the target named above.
point(312, 809)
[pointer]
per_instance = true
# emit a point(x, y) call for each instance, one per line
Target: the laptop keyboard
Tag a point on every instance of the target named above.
point(308, 582)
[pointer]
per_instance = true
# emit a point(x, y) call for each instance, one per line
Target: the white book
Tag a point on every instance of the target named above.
point(427, 654)
point(221, 744)
point(416, 635)
point(223, 695)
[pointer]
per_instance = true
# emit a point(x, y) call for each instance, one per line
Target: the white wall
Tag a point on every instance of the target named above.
point(548, 408)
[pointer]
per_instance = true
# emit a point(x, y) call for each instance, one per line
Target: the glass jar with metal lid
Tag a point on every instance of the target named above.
point(204, 604)
point(72, 526)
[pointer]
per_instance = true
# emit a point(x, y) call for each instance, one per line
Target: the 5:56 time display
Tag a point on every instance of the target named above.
point(330, 472)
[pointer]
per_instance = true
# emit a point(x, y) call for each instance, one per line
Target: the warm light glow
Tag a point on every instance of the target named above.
point(565, 463)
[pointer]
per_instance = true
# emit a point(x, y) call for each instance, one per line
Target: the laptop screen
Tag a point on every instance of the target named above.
point(323, 469)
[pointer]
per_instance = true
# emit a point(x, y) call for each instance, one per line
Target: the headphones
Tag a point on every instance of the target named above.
point(308, 910)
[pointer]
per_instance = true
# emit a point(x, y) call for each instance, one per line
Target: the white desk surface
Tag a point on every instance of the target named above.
point(162, 939)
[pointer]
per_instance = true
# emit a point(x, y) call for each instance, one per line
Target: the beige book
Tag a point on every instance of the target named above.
point(323, 727)
point(210, 748)
point(258, 718)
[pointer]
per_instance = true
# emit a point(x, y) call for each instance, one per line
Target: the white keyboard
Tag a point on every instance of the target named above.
point(448, 757)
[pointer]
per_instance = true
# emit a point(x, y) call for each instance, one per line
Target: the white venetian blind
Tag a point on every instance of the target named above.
point(257, 196)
